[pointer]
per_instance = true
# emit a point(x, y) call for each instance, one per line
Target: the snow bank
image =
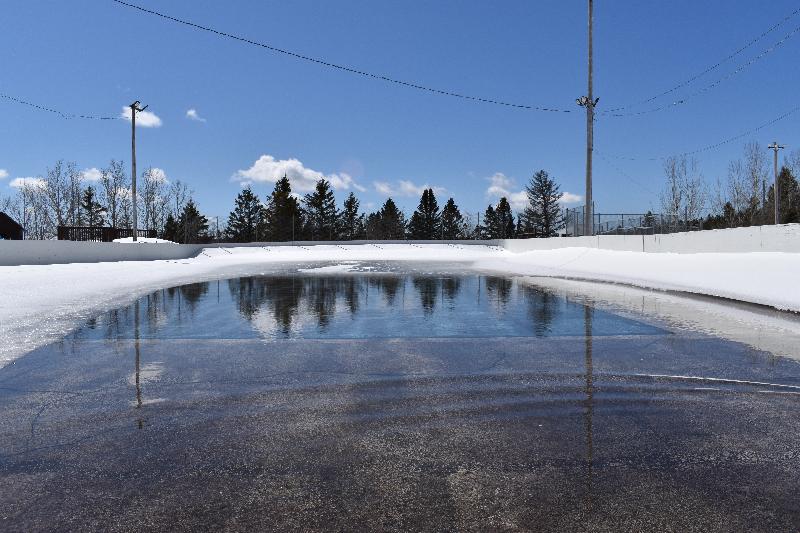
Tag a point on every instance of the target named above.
point(143, 240)
point(42, 303)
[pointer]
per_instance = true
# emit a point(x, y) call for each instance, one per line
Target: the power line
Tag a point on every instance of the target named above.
point(352, 70)
point(715, 145)
point(54, 111)
point(715, 65)
point(614, 112)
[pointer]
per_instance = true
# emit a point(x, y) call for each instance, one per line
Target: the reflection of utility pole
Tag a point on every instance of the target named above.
point(589, 102)
point(134, 109)
point(138, 359)
point(587, 324)
point(776, 189)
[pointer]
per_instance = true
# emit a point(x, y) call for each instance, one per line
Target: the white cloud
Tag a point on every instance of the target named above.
point(501, 185)
point(158, 175)
point(267, 169)
point(144, 119)
point(405, 188)
point(569, 198)
point(3, 173)
point(91, 174)
point(19, 183)
point(191, 114)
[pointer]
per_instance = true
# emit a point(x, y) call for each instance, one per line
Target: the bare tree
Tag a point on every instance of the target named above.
point(684, 197)
point(57, 192)
point(757, 168)
point(114, 183)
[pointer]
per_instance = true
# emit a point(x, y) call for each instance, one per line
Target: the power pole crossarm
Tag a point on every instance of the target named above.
point(776, 189)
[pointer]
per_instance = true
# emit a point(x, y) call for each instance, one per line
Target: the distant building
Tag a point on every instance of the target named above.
point(9, 229)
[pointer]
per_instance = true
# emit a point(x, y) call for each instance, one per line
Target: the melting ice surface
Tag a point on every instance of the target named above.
point(300, 306)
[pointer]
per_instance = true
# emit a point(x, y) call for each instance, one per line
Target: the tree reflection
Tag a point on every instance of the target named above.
point(428, 288)
point(543, 307)
point(351, 287)
point(451, 288)
point(321, 297)
point(499, 289)
point(389, 285)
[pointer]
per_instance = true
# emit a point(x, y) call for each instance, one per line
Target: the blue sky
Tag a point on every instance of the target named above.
point(260, 110)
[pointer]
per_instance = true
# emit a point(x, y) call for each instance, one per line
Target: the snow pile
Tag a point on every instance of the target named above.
point(40, 304)
point(143, 240)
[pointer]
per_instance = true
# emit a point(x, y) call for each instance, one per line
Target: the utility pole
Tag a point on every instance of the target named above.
point(589, 102)
point(776, 189)
point(134, 109)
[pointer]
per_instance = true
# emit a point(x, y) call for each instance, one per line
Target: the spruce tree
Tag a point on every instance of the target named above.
point(387, 224)
point(453, 224)
point(488, 229)
point(352, 222)
point(542, 216)
point(170, 231)
point(244, 222)
point(192, 226)
point(504, 220)
point(320, 213)
point(283, 220)
point(426, 221)
point(92, 210)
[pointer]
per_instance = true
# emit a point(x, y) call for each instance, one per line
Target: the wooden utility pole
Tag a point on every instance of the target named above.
point(776, 189)
point(589, 102)
point(134, 109)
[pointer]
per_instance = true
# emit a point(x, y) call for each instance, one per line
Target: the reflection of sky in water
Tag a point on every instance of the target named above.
point(358, 306)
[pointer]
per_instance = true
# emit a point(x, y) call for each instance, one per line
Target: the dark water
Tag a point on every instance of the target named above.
point(356, 307)
point(394, 402)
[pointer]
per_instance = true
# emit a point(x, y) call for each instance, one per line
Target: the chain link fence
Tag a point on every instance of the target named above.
point(626, 223)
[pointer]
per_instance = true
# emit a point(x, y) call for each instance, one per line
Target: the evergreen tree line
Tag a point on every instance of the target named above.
point(314, 217)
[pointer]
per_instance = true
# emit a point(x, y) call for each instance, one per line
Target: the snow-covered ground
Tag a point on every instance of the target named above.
point(40, 304)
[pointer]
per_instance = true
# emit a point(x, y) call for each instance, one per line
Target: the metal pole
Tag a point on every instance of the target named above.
point(134, 109)
point(133, 167)
point(776, 189)
point(589, 131)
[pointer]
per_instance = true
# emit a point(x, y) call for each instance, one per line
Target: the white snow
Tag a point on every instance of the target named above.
point(40, 304)
point(143, 240)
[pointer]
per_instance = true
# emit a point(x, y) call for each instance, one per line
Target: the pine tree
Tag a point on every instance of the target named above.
point(789, 200)
point(426, 221)
point(283, 220)
point(542, 217)
point(92, 210)
point(244, 222)
point(320, 213)
point(487, 229)
point(453, 224)
point(352, 223)
point(388, 224)
point(170, 232)
point(505, 220)
point(192, 226)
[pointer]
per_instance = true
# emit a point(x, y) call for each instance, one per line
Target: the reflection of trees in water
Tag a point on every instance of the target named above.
point(351, 288)
point(543, 307)
point(281, 294)
point(249, 294)
point(451, 287)
point(321, 296)
point(192, 293)
point(388, 284)
point(428, 288)
point(498, 289)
